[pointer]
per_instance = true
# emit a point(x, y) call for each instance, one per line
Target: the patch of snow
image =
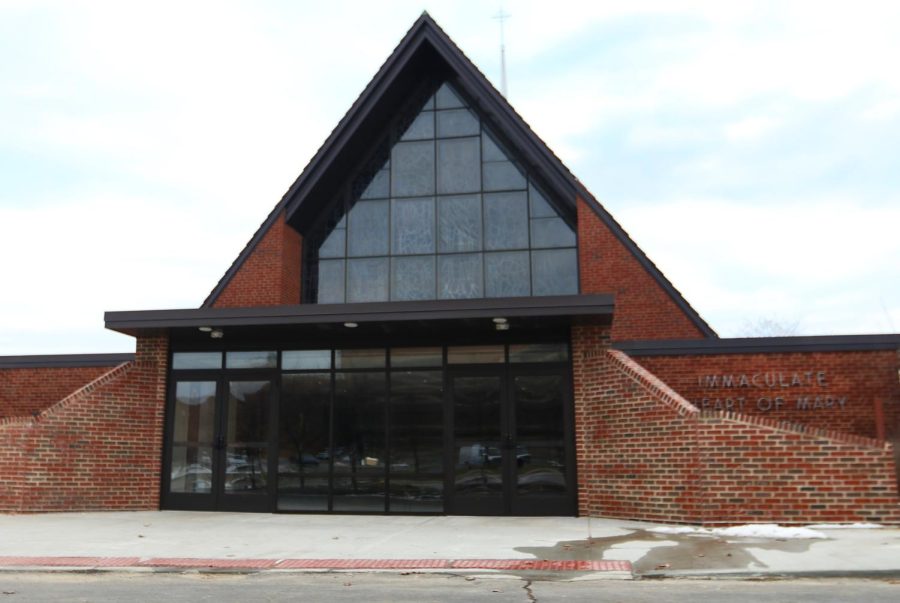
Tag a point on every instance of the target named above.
point(754, 530)
point(674, 530)
point(845, 526)
point(767, 530)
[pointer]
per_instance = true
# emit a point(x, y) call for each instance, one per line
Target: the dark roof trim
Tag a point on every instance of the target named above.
point(567, 305)
point(64, 360)
point(531, 147)
point(760, 345)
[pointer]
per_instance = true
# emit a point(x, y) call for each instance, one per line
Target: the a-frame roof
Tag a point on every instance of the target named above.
point(426, 51)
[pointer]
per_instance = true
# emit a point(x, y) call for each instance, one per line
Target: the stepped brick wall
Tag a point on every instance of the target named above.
point(645, 452)
point(97, 449)
point(270, 276)
point(25, 391)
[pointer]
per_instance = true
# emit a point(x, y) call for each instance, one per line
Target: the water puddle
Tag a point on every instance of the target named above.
point(649, 551)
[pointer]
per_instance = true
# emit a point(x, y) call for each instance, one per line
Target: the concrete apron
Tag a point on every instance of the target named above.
point(566, 547)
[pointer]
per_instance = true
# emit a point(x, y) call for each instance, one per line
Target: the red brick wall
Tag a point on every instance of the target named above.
point(636, 456)
point(644, 452)
point(270, 276)
point(847, 385)
point(643, 309)
point(754, 473)
point(25, 391)
point(98, 449)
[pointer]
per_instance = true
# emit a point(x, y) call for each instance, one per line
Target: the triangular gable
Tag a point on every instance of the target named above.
point(427, 52)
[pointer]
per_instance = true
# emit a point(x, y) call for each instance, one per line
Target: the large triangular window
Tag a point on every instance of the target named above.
point(449, 215)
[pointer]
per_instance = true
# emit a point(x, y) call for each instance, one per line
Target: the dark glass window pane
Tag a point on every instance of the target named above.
point(368, 233)
point(554, 272)
point(502, 176)
point(305, 360)
point(507, 274)
point(538, 352)
point(540, 449)
point(412, 278)
point(378, 188)
point(360, 456)
point(358, 359)
point(459, 166)
point(421, 128)
point(334, 245)
point(417, 441)
point(197, 360)
point(304, 451)
point(459, 122)
point(367, 280)
point(195, 407)
point(331, 282)
point(191, 469)
point(460, 276)
point(247, 437)
point(446, 98)
point(551, 232)
point(475, 354)
point(412, 169)
point(412, 229)
point(414, 357)
point(459, 223)
point(540, 207)
point(505, 221)
point(490, 150)
point(477, 438)
point(245, 360)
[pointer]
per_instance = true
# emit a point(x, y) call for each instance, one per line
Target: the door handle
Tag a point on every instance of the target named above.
point(220, 443)
point(509, 442)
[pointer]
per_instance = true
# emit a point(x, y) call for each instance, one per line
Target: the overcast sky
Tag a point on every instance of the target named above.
point(752, 149)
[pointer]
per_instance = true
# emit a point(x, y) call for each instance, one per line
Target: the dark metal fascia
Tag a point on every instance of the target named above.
point(63, 360)
point(570, 305)
point(760, 345)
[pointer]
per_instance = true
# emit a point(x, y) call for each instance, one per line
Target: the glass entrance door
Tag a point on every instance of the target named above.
point(219, 453)
point(508, 447)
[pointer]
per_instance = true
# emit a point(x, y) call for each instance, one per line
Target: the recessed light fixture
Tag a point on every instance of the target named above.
point(499, 321)
point(205, 329)
point(217, 334)
point(350, 325)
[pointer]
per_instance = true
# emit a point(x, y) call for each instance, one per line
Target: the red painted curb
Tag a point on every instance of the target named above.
point(336, 564)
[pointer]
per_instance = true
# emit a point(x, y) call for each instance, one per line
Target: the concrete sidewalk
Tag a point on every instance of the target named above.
point(598, 548)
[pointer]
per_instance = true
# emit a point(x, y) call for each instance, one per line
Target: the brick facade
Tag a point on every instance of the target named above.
point(645, 452)
point(25, 391)
point(270, 275)
point(98, 448)
point(643, 308)
point(829, 390)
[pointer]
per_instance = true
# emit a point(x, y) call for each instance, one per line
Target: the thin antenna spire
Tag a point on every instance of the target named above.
point(502, 16)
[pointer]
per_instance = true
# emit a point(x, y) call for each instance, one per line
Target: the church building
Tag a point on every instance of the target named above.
point(439, 318)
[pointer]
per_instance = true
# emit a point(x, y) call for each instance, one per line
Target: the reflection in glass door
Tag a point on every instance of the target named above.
point(509, 442)
point(219, 445)
point(244, 444)
point(478, 479)
point(193, 433)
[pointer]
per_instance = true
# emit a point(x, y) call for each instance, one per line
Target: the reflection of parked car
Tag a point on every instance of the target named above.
point(477, 455)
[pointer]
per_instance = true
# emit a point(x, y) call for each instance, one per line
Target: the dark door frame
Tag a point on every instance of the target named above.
point(510, 503)
point(216, 499)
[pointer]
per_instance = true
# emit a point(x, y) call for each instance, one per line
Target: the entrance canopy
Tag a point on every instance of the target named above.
point(434, 318)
